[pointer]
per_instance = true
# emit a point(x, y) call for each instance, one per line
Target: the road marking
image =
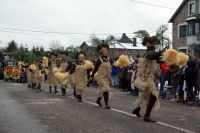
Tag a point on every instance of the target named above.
point(129, 114)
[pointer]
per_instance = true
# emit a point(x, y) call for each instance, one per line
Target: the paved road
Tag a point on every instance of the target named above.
point(23, 110)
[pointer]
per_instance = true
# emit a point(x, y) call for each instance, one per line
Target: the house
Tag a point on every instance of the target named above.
point(124, 45)
point(186, 25)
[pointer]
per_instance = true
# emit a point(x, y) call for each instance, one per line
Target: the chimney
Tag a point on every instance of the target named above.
point(134, 41)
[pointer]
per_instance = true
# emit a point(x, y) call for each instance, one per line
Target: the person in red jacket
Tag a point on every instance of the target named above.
point(164, 68)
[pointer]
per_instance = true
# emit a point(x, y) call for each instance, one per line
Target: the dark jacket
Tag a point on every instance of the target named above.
point(190, 73)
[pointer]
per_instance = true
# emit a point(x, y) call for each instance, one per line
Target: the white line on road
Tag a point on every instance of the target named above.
point(129, 114)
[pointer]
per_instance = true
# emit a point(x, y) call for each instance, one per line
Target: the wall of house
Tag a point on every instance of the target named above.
point(180, 18)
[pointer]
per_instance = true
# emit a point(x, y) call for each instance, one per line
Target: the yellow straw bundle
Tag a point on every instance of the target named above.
point(122, 61)
point(55, 70)
point(33, 67)
point(62, 76)
point(170, 56)
point(182, 59)
point(88, 64)
point(45, 61)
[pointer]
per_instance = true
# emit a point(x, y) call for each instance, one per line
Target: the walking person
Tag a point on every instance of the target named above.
point(52, 82)
point(147, 68)
point(80, 70)
point(103, 74)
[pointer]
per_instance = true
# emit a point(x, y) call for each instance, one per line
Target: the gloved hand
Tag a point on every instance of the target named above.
point(162, 51)
point(92, 76)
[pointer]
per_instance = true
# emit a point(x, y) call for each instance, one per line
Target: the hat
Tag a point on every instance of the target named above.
point(64, 52)
point(153, 40)
point(103, 45)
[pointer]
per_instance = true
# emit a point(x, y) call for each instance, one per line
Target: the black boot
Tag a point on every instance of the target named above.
point(99, 101)
point(136, 112)
point(38, 88)
point(29, 86)
point(150, 105)
point(63, 92)
point(34, 86)
point(50, 89)
point(106, 99)
point(79, 98)
point(55, 89)
point(74, 93)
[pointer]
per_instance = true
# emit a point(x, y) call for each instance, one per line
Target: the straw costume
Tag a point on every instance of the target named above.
point(102, 73)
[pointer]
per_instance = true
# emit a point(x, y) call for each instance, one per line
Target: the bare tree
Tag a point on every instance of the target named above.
point(55, 45)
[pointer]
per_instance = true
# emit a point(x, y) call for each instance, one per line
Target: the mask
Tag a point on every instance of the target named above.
point(151, 48)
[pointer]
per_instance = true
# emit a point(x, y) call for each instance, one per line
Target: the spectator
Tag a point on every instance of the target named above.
point(115, 76)
point(175, 77)
point(164, 68)
point(197, 70)
point(190, 80)
point(180, 92)
point(122, 76)
point(22, 76)
point(129, 72)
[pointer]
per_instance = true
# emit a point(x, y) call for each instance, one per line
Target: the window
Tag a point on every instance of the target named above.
point(182, 31)
point(190, 29)
point(183, 49)
point(193, 28)
point(191, 8)
point(197, 28)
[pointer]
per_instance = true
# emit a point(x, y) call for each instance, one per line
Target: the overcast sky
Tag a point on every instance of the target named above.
point(79, 16)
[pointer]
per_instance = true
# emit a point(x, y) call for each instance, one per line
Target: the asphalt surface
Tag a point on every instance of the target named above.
point(24, 110)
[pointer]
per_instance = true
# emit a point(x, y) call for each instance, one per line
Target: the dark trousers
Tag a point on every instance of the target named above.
point(123, 84)
point(190, 96)
point(128, 84)
point(163, 79)
point(150, 105)
point(197, 87)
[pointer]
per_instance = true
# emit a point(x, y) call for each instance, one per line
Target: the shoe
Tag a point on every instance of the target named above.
point(106, 99)
point(63, 92)
point(50, 89)
point(55, 89)
point(148, 119)
point(99, 101)
point(79, 98)
point(136, 112)
point(29, 86)
point(74, 93)
point(107, 107)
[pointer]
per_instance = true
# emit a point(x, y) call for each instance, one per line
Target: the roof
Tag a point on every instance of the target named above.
point(123, 43)
point(125, 39)
point(118, 45)
point(178, 11)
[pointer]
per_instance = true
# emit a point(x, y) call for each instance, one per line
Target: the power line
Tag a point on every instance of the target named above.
point(12, 30)
point(63, 33)
point(144, 3)
point(18, 33)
